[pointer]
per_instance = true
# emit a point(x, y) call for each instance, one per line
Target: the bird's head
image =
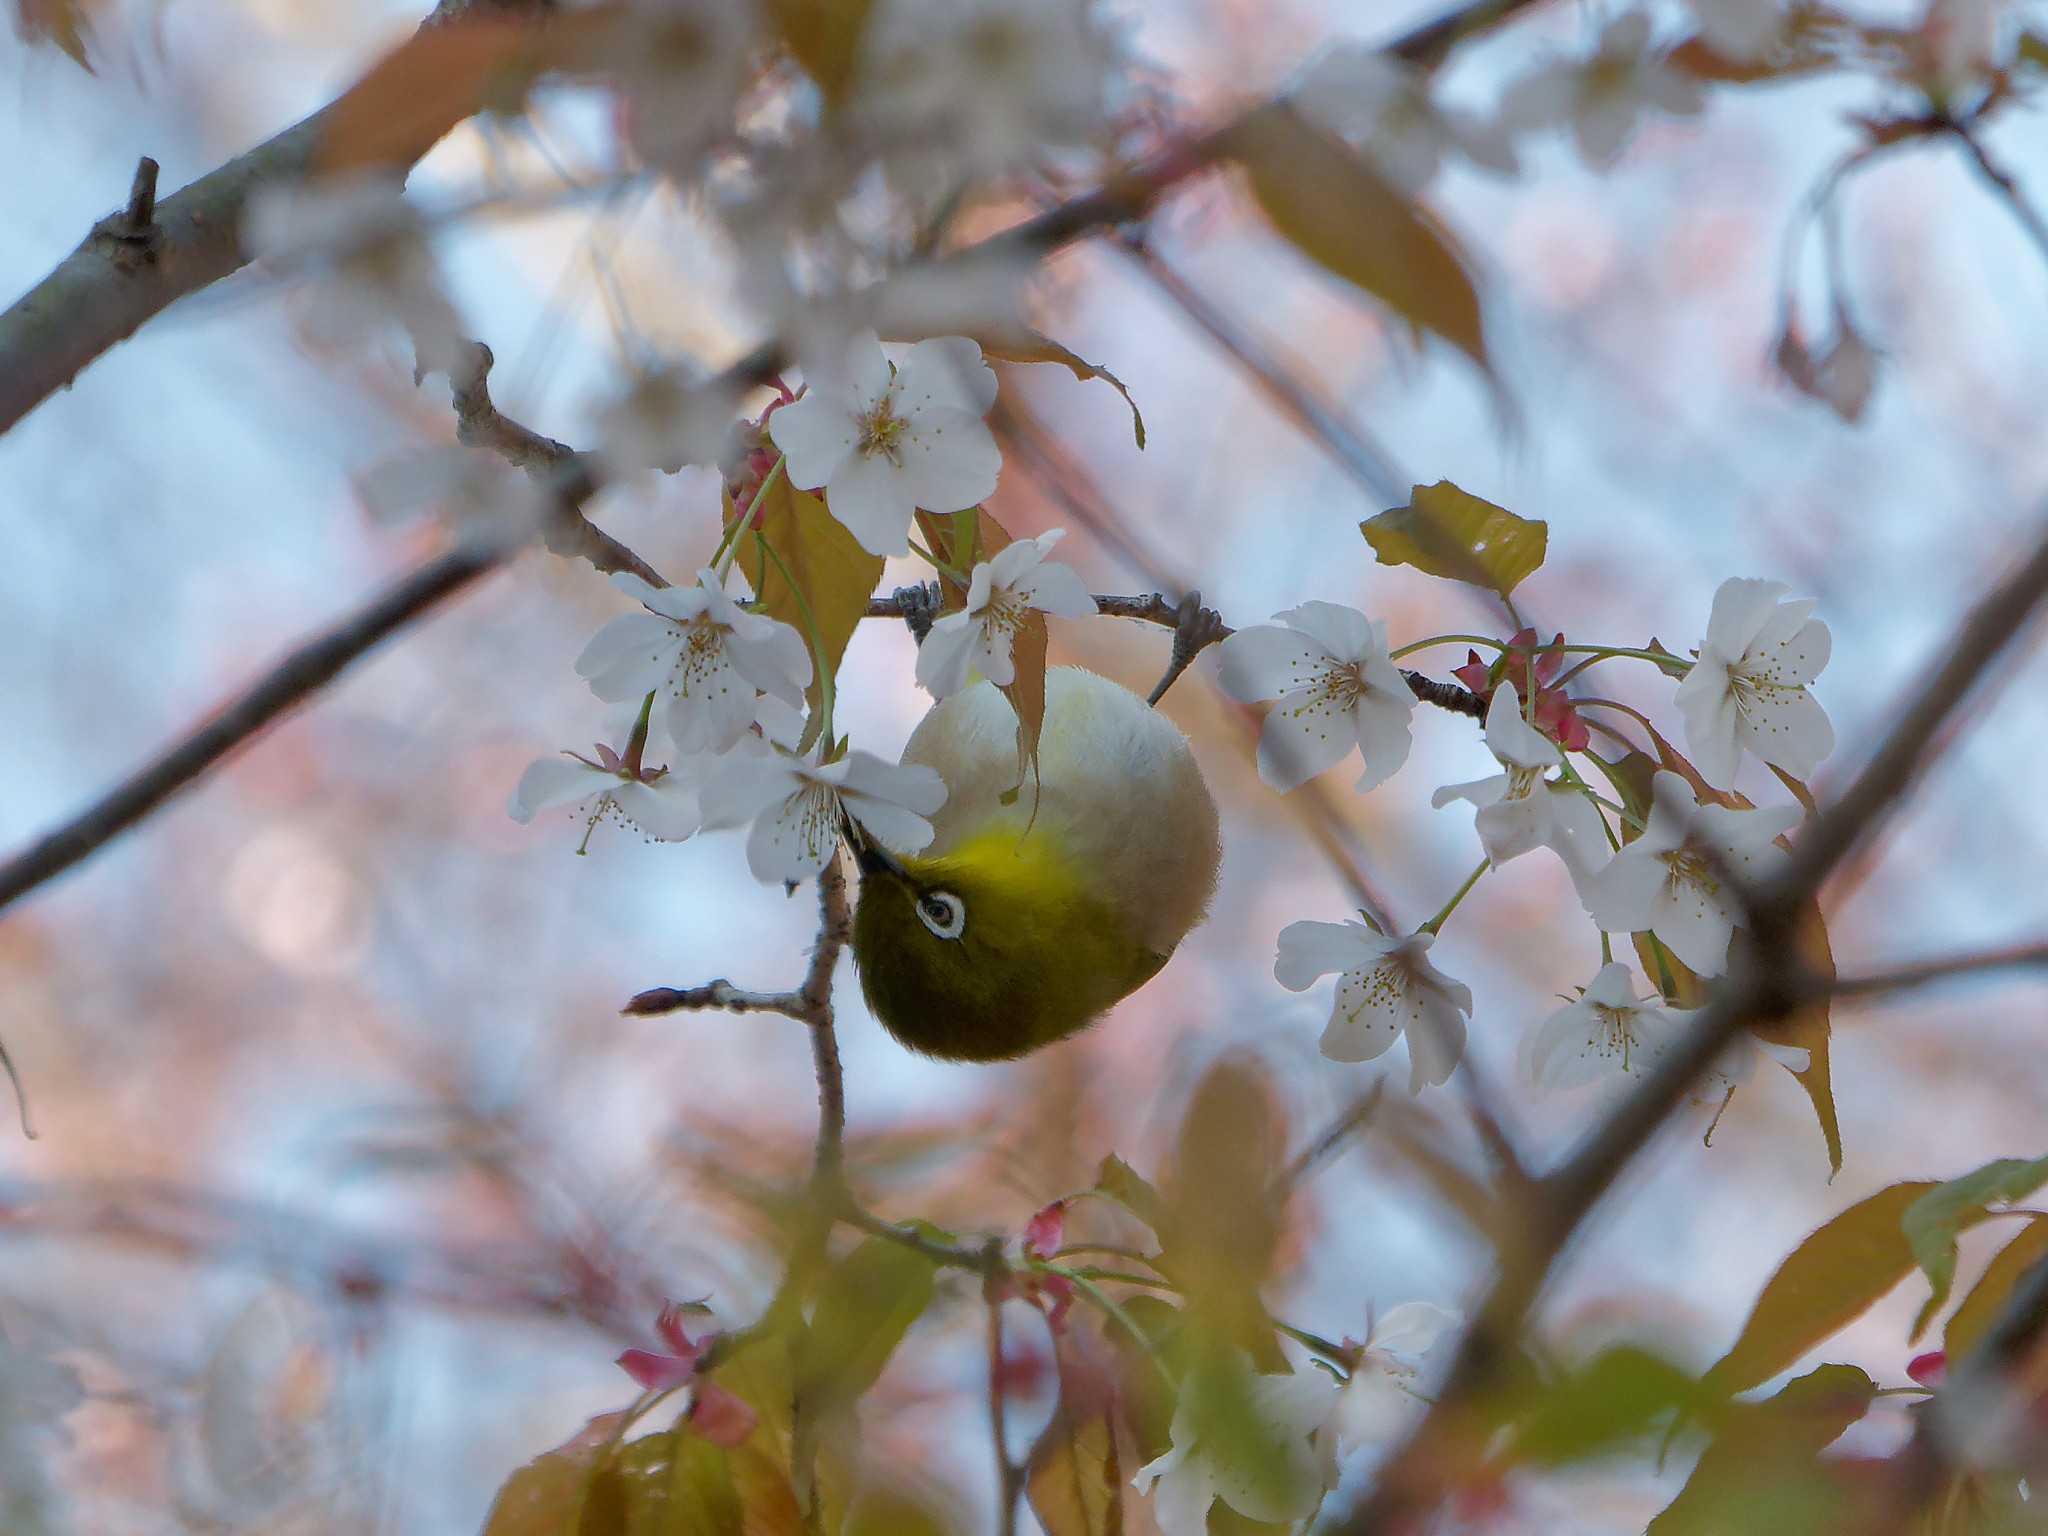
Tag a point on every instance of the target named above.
point(992, 949)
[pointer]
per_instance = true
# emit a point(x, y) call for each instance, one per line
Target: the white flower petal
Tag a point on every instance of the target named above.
point(1309, 950)
point(1511, 739)
point(1264, 661)
point(946, 372)
point(869, 496)
point(556, 781)
point(894, 827)
point(912, 785)
point(1306, 732)
point(1706, 701)
point(795, 838)
point(1412, 1328)
point(629, 657)
point(1788, 727)
point(1436, 1035)
point(1344, 632)
point(744, 787)
point(1693, 924)
point(949, 460)
point(1563, 1051)
point(667, 810)
point(1478, 791)
point(1058, 590)
point(817, 435)
point(1384, 736)
point(1371, 1010)
point(948, 655)
point(1510, 827)
point(1742, 606)
point(1374, 1408)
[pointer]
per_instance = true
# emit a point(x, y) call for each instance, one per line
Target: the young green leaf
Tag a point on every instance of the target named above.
point(1760, 1469)
point(866, 1303)
point(1336, 209)
point(1613, 1399)
point(1134, 1192)
point(834, 576)
point(1973, 1318)
point(1451, 533)
point(1932, 1222)
point(1831, 1278)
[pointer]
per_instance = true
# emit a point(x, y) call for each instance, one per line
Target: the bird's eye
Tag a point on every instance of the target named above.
point(944, 913)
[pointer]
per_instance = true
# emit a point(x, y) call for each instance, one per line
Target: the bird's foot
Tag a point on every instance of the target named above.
point(1195, 628)
point(919, 606)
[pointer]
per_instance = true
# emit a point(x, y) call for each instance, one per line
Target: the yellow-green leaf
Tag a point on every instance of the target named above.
point(1830, 1279)
point(866, 1303)
point(961, 540)
point(66, 23)
point(1603, 1405)
point(1134, 1192)
point(834, 576)
point(1978, 1310)
point(659, 1485)
point(1808, 1029)
point(1451, 533)
point(1024, 345)
point(1932, 1222)
point(1339, 211)
point(1759, 1475)
point(1072, 1479)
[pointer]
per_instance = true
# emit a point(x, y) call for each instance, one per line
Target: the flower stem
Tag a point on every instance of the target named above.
point(1435, 924)
point(1423, 645)
point(728, 545)
point(937, 564)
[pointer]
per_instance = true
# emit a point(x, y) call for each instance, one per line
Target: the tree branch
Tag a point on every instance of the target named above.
point(1764, 986)
point(303, 671)
point(122, 275)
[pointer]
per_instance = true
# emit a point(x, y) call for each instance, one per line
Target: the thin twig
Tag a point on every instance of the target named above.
point(2003, 183)
point(1764, 986)
point(569, 476)
point(1924, 972)
point(1367, 463)
point(1009, 1476)
point(1311, 1157)
point(304, 671)
point(721, 995)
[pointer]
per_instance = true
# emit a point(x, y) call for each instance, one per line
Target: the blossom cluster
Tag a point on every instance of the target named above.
point(727, 684)
point(1675, 870)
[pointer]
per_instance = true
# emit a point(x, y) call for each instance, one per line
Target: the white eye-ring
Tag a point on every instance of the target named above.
point(943, 912)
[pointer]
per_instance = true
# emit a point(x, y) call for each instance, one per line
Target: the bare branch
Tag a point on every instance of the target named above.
point(2003, 184)
point(304, 671)
point(137, 263)
point(1921, 973)
point(1009, 1476)
point(1765, 986)
point(568, 474)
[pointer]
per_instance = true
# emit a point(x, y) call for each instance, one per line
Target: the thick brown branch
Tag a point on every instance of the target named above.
point(101, 294)
point(304, 671)
point(1765, 987)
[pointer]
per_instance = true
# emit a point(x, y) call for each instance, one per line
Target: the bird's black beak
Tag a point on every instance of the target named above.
point(872, 858)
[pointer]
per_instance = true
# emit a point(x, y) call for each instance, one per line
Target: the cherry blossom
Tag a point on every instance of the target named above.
point(1277, 1476)
point(661, 802)
point(1748, 689)
point(882, 442)
point(1380, 1399)
point(1609, 1029)
point(1001, 592)
point(796, 805)
point(1336, 688)
point(704, 652)
point(1738, 29)
point(714, 1413)
point(1673, 880)
point(1385, 107)
point(968, 87)
point(1520, 809)
point(1387, 988)
point(1600, 98)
